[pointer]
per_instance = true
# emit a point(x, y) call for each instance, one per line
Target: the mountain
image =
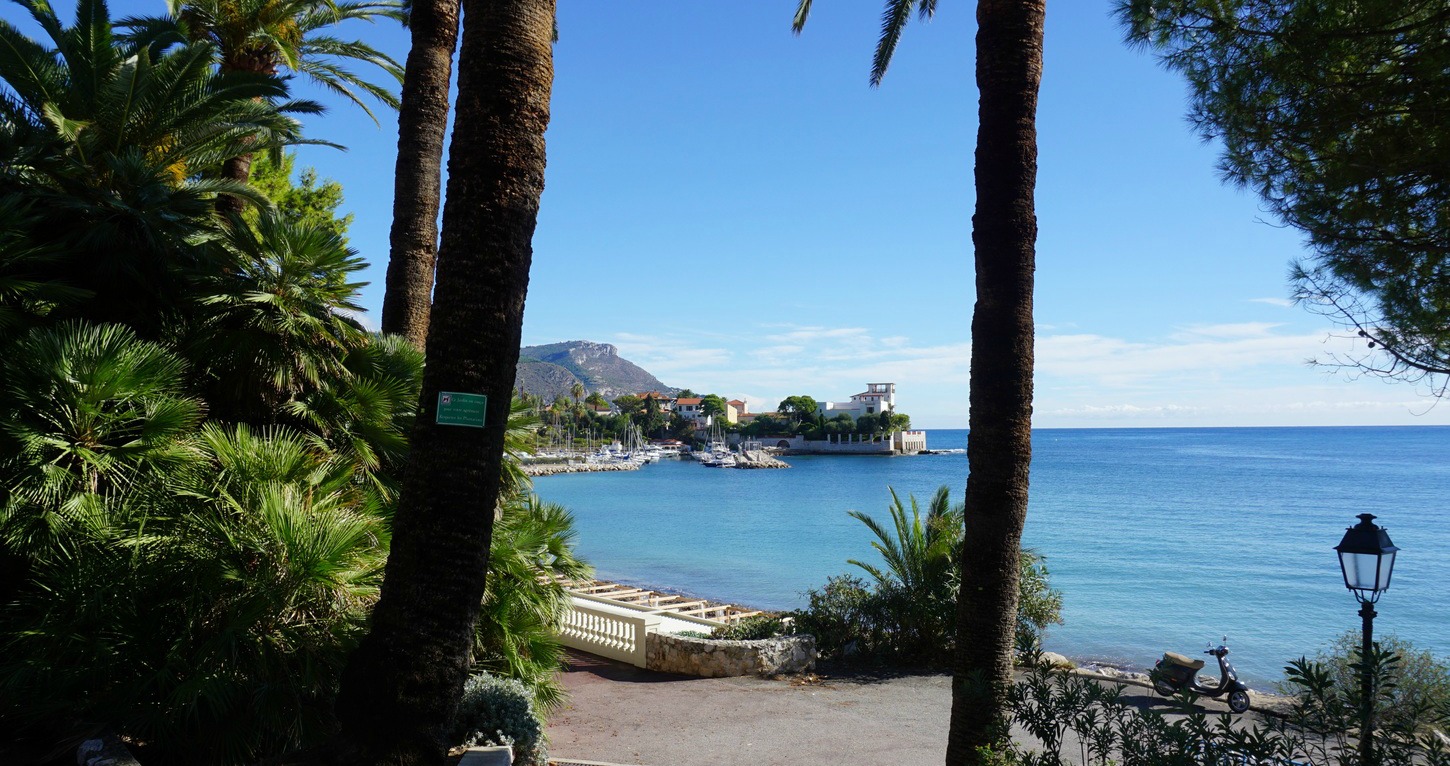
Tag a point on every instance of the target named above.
point(550, 370)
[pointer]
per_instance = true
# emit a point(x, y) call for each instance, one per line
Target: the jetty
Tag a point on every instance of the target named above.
point(757, 458)
point(550, 469)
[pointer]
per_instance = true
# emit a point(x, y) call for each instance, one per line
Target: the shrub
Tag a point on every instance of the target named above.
point(907, 614)
point(1076, 720)
point(1038, 603)
point(500, 711)
point(843, 616)
point(1416, 680)
point(751, 629)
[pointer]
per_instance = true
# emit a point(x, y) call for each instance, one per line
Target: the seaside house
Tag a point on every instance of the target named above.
point(876, 399)
point(692, 408)
point(662, 402)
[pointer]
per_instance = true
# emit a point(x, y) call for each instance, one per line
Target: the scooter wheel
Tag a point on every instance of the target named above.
point(1238, 700)
point(1163, 687)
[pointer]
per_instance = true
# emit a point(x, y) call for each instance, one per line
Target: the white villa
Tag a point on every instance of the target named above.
point(693, 408)
point(877, 398)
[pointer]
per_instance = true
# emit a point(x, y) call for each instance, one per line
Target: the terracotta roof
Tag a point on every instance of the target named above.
point(736, 402)
point(688, 400)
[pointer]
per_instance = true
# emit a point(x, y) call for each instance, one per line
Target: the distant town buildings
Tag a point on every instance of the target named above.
point(693, 408)
point(876, 399)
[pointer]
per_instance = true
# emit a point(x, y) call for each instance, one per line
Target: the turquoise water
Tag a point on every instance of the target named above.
point(1160, 539)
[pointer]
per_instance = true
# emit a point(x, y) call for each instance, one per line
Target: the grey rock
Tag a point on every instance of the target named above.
point(104, 751)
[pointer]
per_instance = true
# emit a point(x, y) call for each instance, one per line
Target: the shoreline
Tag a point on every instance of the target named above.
point(1263, 700)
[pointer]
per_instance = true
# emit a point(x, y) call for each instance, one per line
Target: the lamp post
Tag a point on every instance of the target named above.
point(1367, 559)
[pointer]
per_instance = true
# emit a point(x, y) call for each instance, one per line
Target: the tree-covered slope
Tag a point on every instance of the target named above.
point(550, 370)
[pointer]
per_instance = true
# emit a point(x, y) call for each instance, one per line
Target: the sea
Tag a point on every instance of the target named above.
point(1162, 539)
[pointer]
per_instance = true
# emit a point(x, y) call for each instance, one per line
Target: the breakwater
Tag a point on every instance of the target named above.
point(759, 459)
point(551, 469)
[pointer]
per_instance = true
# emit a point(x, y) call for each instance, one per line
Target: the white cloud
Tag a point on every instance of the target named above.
point(1280, 302)
point(1229, 330)
point(809, 334)
point(1232, 373)
point(670, 357)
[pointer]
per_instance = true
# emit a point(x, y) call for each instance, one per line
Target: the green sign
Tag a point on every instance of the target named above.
point(457, 409)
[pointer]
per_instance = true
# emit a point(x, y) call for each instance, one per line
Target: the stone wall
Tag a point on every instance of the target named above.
point(708, 658)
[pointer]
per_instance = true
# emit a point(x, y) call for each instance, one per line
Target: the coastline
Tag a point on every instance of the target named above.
point(1110, 672)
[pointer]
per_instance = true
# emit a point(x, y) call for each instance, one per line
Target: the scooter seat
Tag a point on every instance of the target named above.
point(1178, 659)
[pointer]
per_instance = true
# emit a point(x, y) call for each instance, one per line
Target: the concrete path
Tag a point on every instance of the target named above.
point(620, 714)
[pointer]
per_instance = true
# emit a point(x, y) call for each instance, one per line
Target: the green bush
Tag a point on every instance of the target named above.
point(1074, 720)
point(844, 618)
point(500, 711)
point(1414, 681)
point(907, 613)
point(751, 629)
point(1038, 604)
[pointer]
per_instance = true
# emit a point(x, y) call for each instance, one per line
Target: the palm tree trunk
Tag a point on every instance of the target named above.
point(422, 121)
point(237, 169)
point(999, 447)
point(402, 685)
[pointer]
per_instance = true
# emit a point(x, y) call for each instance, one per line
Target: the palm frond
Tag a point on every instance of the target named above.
point(893, 22)
point(802, 13)
point(29, 68)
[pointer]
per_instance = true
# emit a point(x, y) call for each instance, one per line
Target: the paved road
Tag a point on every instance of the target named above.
point(621, 714)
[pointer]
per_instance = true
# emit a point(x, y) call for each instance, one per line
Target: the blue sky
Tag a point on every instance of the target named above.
point(739, 213)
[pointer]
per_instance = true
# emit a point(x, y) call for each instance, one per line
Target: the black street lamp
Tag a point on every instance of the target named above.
point(1367, 559)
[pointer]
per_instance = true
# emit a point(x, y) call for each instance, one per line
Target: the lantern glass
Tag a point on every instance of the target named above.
point(1362, 571)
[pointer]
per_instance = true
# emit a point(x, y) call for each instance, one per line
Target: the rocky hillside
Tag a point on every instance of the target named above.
point(550, 370)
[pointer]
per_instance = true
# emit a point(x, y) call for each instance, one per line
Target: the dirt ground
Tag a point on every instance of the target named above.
point(620, 714)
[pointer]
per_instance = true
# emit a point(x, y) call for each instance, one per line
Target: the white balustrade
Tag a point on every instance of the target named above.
point(608, 631)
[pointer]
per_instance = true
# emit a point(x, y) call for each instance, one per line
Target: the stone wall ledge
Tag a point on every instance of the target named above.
point(711, 658)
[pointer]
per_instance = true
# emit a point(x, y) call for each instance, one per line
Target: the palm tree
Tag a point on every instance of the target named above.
point(999, 452)
point(268, 36)
point(364, 416)
point(403, 683)
point(211, 620)
point(918, 553)
point(920, 569)
point(87, 410)
point(577, 391)
point(274, 328)
point(422, 121)
point(108, 145)
point(517, 632)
